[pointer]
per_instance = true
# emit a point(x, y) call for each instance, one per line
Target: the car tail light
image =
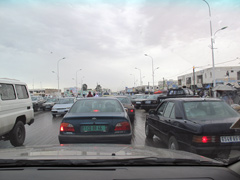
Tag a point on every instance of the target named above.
point(66, 127)
point(131, 110)
point(205, 139)
point(122, 126)
point(95, 110)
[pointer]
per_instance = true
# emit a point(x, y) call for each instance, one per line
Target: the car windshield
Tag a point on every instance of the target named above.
point(96, 105)
point(209, 110)
point(65, 101)
point(34, 98)
point(124, 100)
point(51, 100)
point(153, 97)
point(89, 58)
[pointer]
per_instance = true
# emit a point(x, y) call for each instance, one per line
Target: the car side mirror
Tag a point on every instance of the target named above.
point(152, 111)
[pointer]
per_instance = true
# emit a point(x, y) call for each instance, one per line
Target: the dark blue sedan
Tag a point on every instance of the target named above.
point(96, 120)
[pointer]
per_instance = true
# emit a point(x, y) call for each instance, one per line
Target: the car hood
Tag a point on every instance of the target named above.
point(74, 152)
point(62, 105)
point(48, 103)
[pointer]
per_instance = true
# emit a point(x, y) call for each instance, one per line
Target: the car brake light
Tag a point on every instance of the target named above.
point(204, 139)
point(95, 110)
point(66, 127)
point(131, 110)
point(122, 126)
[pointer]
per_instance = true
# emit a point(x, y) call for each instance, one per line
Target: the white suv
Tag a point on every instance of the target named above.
point(15, 110)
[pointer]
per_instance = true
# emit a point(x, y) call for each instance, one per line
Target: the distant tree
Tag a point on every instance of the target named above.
point(98, 88)
point(84, 86)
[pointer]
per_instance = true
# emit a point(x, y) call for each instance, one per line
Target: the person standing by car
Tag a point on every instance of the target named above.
point(89, 94)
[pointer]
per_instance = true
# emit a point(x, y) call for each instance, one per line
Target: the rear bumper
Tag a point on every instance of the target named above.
point(213, 149)
point(59, 112)
point(119, 138)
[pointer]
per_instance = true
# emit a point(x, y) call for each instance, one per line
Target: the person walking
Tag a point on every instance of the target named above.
point(89, 94)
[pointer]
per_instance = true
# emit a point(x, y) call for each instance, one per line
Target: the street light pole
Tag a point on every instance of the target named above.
point(152, 70)
point(213, 64)
point(140, 76)
point(58, 73)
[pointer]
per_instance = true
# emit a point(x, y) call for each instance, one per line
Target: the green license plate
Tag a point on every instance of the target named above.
point(94, 128)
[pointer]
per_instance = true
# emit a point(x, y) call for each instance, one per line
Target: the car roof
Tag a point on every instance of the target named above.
point(193, 99)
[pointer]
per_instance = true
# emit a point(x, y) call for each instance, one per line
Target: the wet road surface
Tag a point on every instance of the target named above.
point(45, 130)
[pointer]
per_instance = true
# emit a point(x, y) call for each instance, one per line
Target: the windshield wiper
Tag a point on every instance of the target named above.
point(148, 161)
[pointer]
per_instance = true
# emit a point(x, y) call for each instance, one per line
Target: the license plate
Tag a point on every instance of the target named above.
point(138, 102)
point(229, 139)
point(148, 102)
point(94, 128)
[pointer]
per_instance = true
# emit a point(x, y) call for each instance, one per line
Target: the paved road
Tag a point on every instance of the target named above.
point(45, 129)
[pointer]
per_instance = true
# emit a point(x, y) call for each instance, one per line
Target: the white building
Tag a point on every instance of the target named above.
point(204, 78)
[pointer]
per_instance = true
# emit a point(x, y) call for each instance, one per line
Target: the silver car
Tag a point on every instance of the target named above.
point(62, 106)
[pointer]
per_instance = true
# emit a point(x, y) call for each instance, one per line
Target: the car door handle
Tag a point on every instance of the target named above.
point(28, 107)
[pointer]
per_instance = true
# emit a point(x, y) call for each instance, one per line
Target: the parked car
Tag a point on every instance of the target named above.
point(15, 111)
point(37, 102)
point(62, 106)
point(195, 124)
point(49, 104)
point(96, 120)
point(150, 103)
point(128, 105)
point(137, 100)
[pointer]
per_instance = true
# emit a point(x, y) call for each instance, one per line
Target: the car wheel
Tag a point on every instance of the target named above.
point(17, 135)
point(44, 109)
point(54, 115)
point(35, 109)
point(172, 143)
point(148, 132)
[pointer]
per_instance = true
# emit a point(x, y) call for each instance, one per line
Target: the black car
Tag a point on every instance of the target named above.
point(137, 100)
point(150, 103)
point(195, 124)
point(95, 120)
point(128, 105)
point(37, 102)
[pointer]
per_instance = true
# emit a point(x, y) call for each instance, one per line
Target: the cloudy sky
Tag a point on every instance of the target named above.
point(108, 39)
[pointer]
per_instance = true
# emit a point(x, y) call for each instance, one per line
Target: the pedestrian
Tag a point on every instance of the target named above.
point(96, 95)
point(89, 94)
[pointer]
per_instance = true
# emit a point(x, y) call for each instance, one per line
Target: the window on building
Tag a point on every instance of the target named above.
point(210, 74)
point(205, 75)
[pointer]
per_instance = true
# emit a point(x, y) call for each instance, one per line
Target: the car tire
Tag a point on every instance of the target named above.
point(44, 109)
point(18, 134)
point(35, 109)
point(54, 115)
point(172, 143)
point(148, 132)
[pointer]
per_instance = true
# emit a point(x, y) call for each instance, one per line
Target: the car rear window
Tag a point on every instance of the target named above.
point(208, 110)
point(100, 105)
point(124, 100)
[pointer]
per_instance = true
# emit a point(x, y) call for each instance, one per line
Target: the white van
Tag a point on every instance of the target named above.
point(15, 110)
